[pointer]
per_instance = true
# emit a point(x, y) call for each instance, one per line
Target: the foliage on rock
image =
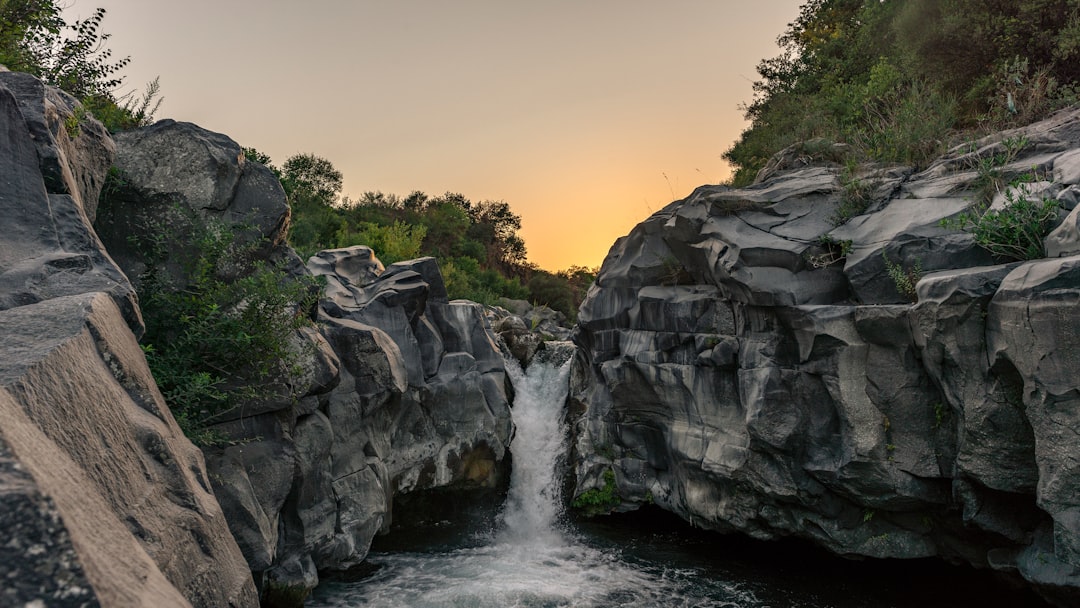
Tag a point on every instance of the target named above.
point(215, 342)
point(599, 501)
point(34, 38)
point(481, 255)
point(1017, 230)
point(895, 79)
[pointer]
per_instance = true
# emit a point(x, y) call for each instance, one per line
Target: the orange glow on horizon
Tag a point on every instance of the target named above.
point(584, 117)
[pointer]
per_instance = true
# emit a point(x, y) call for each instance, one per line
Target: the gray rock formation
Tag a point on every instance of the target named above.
point(105, 501)
point(753, 367)
point(417, 401)
point(524, 327)
point(81, 414)
point(49, 248)
point(397, 390)
point(173, 173)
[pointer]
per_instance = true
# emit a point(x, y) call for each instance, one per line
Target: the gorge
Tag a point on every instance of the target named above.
point(746, 360)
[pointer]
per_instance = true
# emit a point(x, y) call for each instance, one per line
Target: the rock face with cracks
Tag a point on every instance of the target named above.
point(105, 502)
point(751, 362)
point(395, 390)
point(398, 389)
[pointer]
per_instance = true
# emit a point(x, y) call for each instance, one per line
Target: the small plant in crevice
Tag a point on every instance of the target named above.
point(941, 414)
point(598, 501)
point(904, 277)
point(855, 199)
point(73, 123)
point(673, 273)
point(990, 176)
point(218, 332)
point(833, 251)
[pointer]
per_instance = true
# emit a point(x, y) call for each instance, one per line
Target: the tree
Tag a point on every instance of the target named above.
point(24, 27)
point(495, 226)
point(311, 176)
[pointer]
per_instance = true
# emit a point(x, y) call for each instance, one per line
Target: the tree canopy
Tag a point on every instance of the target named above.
point(480, 253)
point(35, 39)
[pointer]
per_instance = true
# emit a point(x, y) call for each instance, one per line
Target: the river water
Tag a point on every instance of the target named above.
point(532, 555)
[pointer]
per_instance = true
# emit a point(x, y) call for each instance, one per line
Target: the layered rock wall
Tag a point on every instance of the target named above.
point(395, 390)
point(754, 365)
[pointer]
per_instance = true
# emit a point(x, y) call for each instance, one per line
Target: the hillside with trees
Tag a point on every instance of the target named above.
point(480, 253)
point(900, 81)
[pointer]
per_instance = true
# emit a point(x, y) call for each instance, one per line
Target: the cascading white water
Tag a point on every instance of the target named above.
point(533, 503)
point(530, 560)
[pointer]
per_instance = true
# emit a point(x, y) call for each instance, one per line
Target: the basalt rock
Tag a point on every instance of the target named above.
point(48, 248)
point(105, 501)
point(173, 176)
point(754, 367)
point(407, 393)
point(90, 431)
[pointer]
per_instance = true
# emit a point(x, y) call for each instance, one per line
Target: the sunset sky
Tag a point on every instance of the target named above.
point(585, 116)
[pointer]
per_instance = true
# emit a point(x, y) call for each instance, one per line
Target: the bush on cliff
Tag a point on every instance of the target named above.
point(893, 79)
point(220, 333)
point(34, 38)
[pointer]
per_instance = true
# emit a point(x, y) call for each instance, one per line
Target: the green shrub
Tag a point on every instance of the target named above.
point(218, 336)
point(830, 251)
point(1016, 231)
point(394, 243)
point(905, 278)
point(598, 501)
point(855, 199)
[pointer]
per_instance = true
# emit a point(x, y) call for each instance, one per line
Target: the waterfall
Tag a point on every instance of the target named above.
point(530, 560)
point(533, 504)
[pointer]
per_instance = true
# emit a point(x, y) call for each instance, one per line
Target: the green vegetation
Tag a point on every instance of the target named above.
point(830, 251)
point(941, 414)
point(1017, 229)
point(481, 256)
point(896, 79)
point(905, 278)
point(219, 323)
point(856, 199)
point(34, 38)
point(599, 501)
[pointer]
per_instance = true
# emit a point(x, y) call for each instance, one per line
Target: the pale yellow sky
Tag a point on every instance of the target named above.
point(572, 111)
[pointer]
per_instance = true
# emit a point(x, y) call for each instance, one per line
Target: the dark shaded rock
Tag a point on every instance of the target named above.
point(173, 175)
point(38, 563)
point(74, 150)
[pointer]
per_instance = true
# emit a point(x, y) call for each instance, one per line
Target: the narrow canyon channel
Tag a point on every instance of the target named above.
point(531, 553)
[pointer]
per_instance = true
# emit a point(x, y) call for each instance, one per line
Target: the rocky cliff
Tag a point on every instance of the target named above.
point(104, 501)
point(396, 390)
point(393, 389)
point(757, 361)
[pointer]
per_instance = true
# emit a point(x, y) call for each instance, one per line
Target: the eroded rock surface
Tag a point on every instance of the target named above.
point(751, 365)
point(105, 502)
point(408, 394)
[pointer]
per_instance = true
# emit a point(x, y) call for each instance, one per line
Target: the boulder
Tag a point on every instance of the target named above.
point(173, 177)
point(74, 150)
point(80, 413)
